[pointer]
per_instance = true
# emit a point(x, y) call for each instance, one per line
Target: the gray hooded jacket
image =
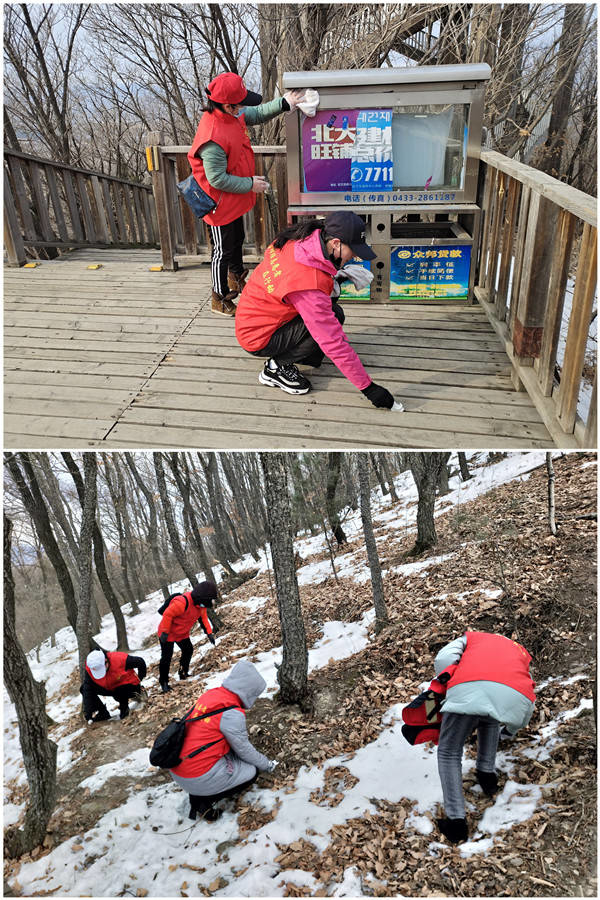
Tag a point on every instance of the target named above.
point(242, 761)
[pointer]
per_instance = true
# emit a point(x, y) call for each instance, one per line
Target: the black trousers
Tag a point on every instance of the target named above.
point(122, 695)
point(201, 804)
point(166, 655)
point(227, 253)
point(293, 342)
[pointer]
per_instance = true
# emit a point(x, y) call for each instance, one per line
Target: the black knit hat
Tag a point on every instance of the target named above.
point(204, 593)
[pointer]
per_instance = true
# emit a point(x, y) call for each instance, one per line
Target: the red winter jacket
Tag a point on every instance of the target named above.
point(205, 731)
point(230, 133)
point(179, 618)
point(117, 675)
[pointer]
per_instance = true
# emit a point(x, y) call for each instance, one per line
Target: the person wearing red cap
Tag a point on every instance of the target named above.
point(222, 163)
point(286, 312)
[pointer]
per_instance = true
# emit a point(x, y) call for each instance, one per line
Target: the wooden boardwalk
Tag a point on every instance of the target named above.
point(125, 357)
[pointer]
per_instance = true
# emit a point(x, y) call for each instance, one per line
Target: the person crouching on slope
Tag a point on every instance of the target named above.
point(491, 686)
point(227, 762)
point(286, 313)
point(110, 674)
point(181, 614)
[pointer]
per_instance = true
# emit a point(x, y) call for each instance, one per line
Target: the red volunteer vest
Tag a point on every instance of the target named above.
point(231, 134)
point(261, 307)
point(493, 657)
point(178, 621)
point(117, 675)
point(205, 732)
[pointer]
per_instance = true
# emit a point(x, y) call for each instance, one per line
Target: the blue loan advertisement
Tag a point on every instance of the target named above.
point(372, 166)
point(430, 273)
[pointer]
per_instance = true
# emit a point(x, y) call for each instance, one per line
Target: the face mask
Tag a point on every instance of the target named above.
point(336, 260)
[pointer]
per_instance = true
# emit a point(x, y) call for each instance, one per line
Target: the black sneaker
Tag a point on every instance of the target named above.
point(164, 686)
point(287, 377)
point(183, 674)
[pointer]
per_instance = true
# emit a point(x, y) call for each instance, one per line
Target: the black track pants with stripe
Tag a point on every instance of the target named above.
point(227, 244)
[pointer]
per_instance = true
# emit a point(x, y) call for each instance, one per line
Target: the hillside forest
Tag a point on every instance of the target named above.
point(339, 576)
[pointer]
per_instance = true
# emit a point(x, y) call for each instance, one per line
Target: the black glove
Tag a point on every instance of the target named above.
point(379, 396)
point(211, 638)
point(164, 638)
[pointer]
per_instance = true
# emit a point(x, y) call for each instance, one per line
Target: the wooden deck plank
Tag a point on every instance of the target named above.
point(122, 357)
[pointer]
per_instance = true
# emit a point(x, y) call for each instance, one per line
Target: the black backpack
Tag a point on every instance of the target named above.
point(166, 750)
point(162, 609)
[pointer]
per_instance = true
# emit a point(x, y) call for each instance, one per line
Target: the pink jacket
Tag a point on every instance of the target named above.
point(317, 314)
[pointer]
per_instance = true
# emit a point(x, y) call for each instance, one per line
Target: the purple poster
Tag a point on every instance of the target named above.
point(327, 142)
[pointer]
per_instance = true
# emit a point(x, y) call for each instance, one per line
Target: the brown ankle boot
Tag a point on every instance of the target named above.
point(237, 282)
point(224, 305)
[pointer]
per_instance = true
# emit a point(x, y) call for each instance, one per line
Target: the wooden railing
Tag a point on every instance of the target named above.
point(49, 204)
point(181, 233)
point(537, 284)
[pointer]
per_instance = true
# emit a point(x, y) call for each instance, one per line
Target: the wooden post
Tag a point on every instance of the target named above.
point(579, 326)
point(591, 429)
point(506, 246)
point(13, 239)
point(182, 168)
point(162, 200)
point(537, 261)
point(556, 299)
point(259, 211)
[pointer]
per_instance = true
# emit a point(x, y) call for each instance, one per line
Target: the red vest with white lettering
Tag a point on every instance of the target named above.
point(231, 134)
point(493, 657)
point(178, 620)
point(205, 731)
point(117, 675)
point(261, 306)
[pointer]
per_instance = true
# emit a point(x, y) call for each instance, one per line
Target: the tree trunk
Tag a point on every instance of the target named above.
point(29, 698)
point(381, 615)
point(383, 457)
point(551, 506)
point(184, 485)
point(425, 468)
point(443, 480)
point(88, 514)
point(36, 508)
point(293, 673)
point(176, 544)
point(222, 543)
point(571, 41)
point(334, 461)
point(156, 562)
point(99, 559)
point(117, 502)
point(464, 468)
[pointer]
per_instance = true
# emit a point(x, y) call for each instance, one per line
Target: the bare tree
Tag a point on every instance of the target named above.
point(551, 505)
point(334, 461)
point(176, 544)
point(99, 556)
point(33, 500)
point(29, 698)
point(381, 614)
point(293, 672)
point(88, 516)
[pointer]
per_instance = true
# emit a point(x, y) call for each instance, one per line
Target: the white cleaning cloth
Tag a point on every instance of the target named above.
point(310, 102)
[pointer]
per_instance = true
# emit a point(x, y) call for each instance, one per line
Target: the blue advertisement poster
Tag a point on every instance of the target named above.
point(372, 165)
point(430, 273)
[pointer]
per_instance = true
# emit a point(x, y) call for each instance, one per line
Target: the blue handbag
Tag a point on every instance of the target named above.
point(197, 199)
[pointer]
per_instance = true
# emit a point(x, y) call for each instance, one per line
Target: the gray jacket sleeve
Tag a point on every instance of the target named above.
point(233, 729)
point(450, 654)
